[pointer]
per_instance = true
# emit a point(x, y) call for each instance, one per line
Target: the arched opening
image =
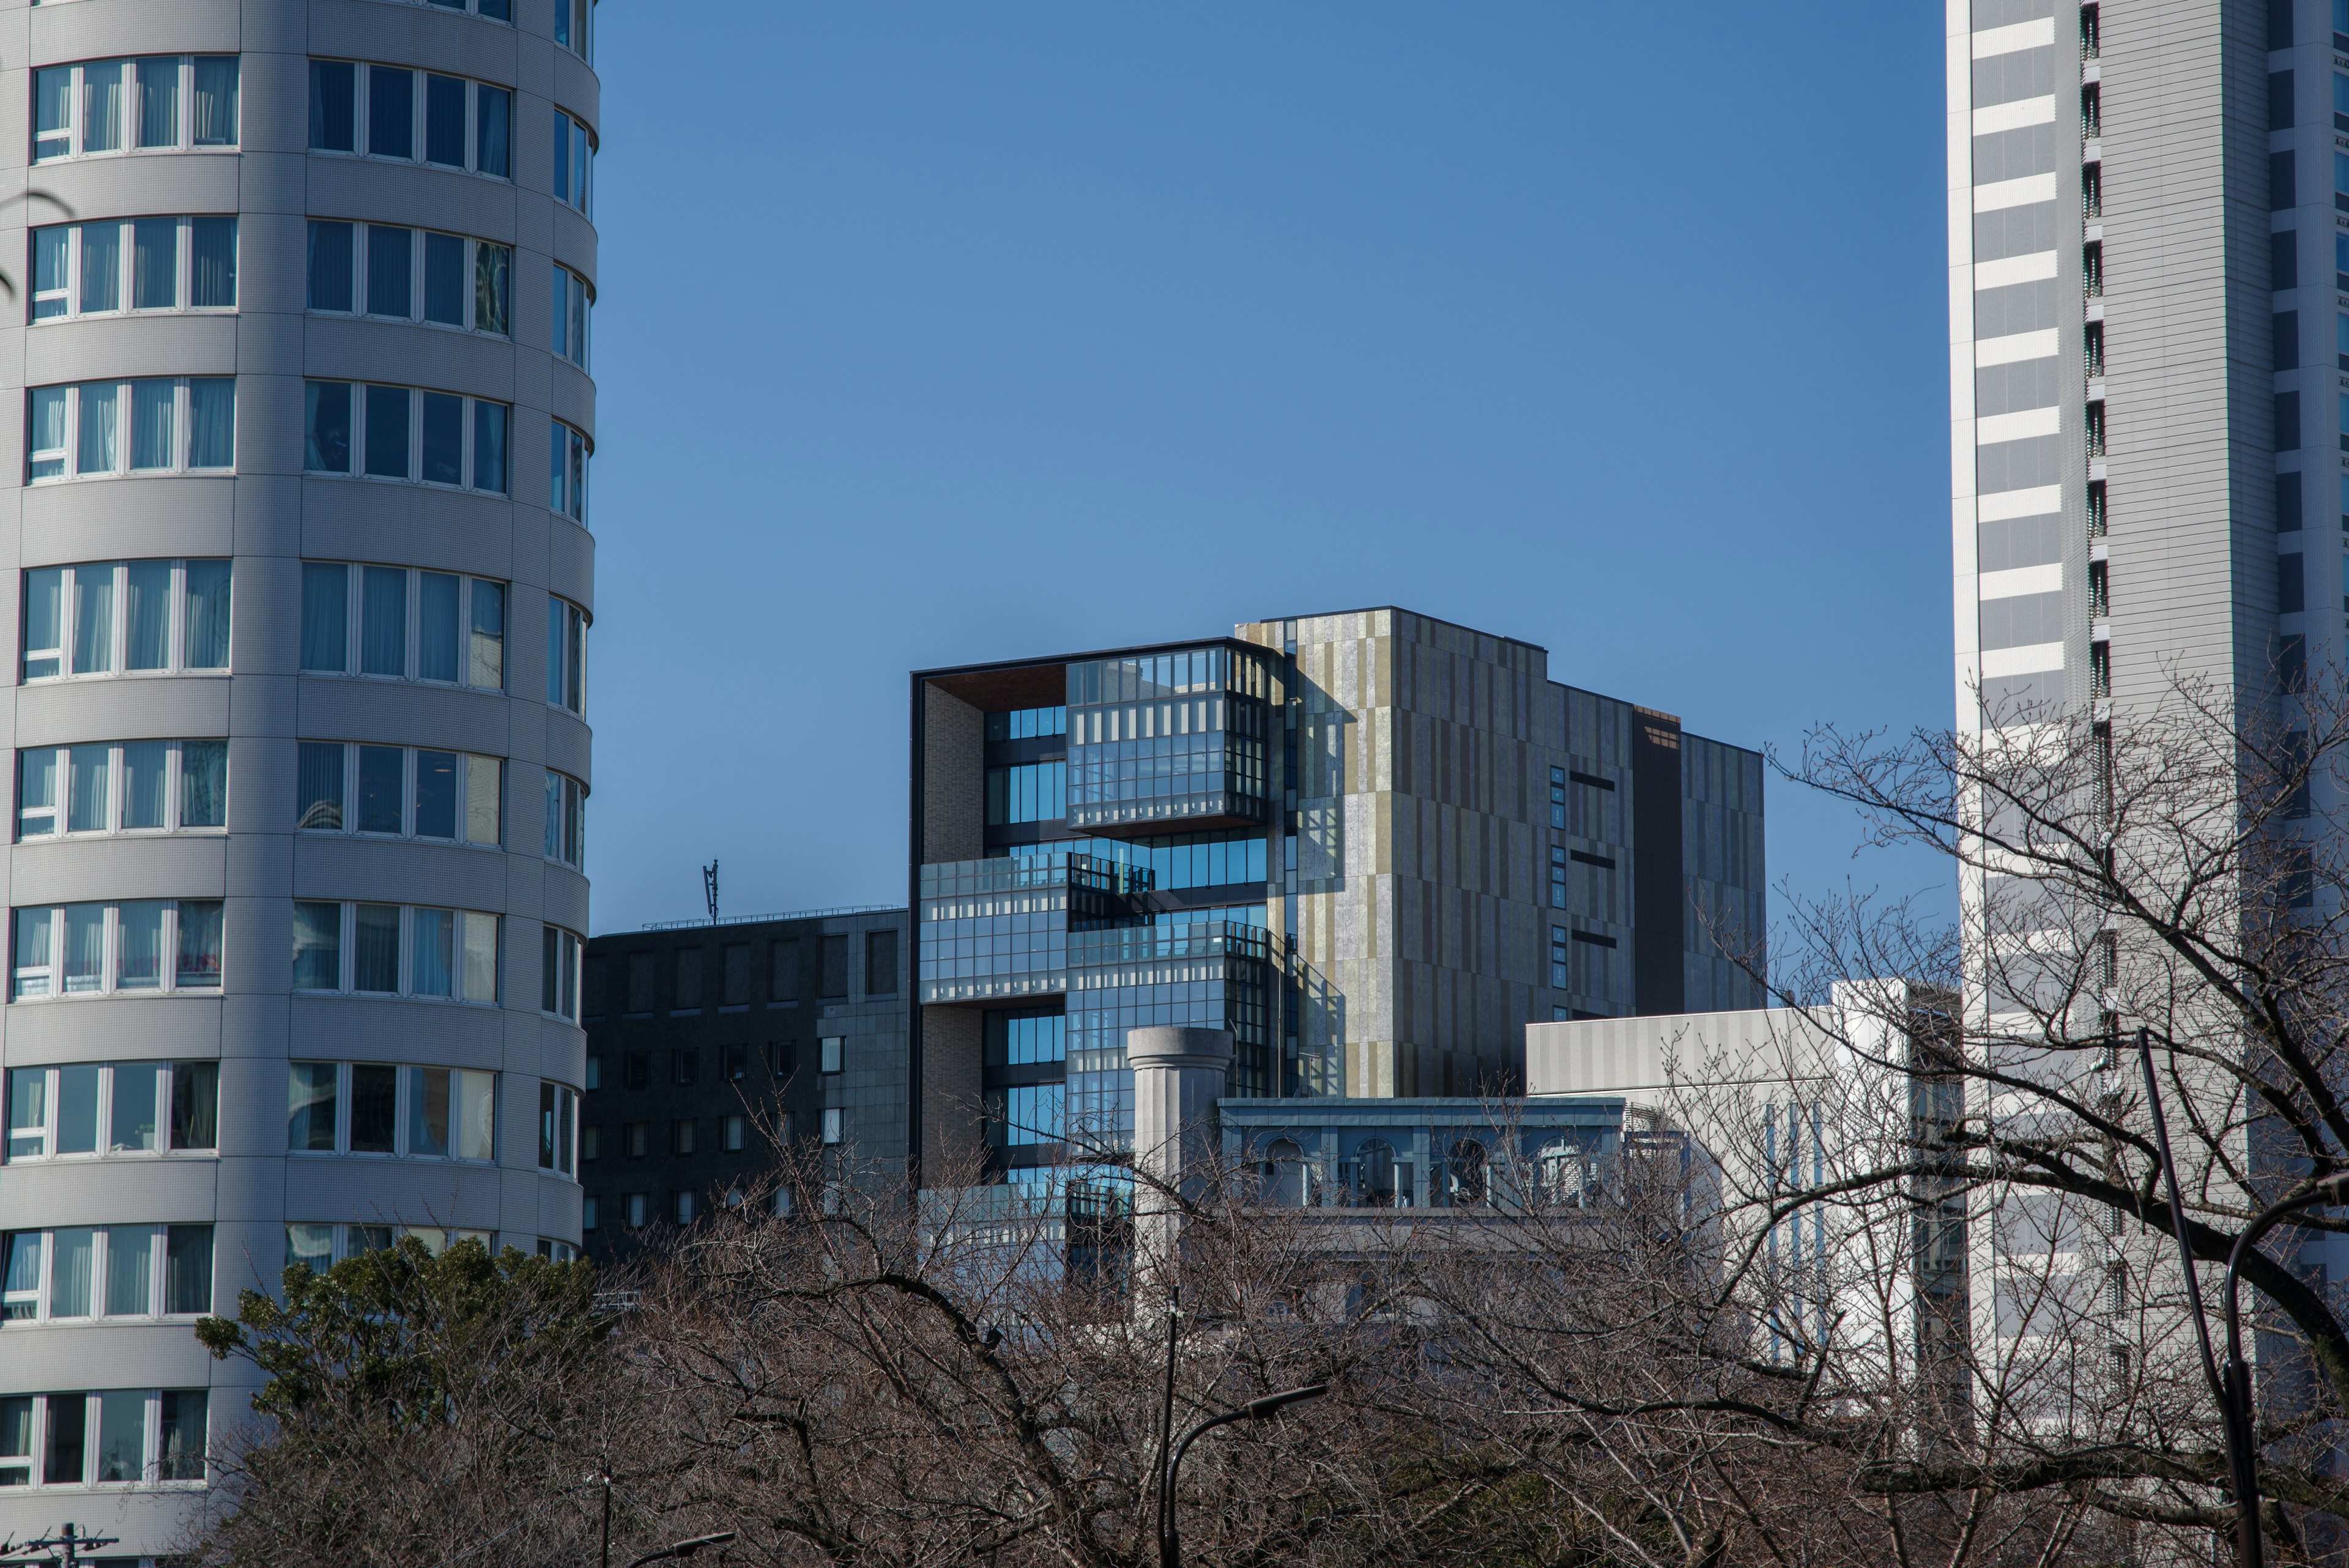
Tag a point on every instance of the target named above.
point(1463, 1174)
point(1283, 1172)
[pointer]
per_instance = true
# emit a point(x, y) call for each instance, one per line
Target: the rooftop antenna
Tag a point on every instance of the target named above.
point(710, 887)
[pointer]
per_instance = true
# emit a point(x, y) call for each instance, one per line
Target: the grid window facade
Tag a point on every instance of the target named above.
point(574, 309)
point(114, 1437)
point(128, 946)
point(568, 452)
point(154, 103)
point(395, 949)
point(154, 425)
point(113, 1109)
point(379, 1108)
point(399, 792)
point(137, 264)
point(409, 116)
point(566, 828)
point(566, 654)
point(117, 1272)
point(397, 274)
point(124, 786)
point(391, 623)
point(405, 435)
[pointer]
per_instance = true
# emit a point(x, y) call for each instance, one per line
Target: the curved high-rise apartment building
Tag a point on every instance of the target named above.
point(300, 582)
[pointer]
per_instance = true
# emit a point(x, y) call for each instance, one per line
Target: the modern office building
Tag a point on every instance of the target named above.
point(1373, 845)
point(716, 1052)
point(302, 580)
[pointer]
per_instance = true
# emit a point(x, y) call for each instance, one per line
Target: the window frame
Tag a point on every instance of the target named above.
point(58, 810)
point(420, 109)
point(68, 295)
point(558, 1129)
point(166, 1090)
point(571, 453)
point(418, 247)
point(354, 441)
point(76, 130)
point(347, 954)
point(119, 641)
point(411, 763)
point(353, 629)
point(49, 970)
point(564, 836)
point(571, 330)
point(574, 27)
point(41, 1300)
point(153, 1439)
point(63, 463)
point(567, 626)
point(570, 170)
point(561, 972)
point(410, 1076)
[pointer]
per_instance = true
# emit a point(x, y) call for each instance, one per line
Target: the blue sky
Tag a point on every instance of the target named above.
point(936, 333)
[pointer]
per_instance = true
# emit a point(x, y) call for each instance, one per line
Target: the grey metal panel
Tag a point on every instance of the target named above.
point(2019, 464)
point(397, 712)
point(2023, 384)
point(129, 519)
point(477, 204)
point(401, 524)
point(2005, 543)
point(113, 1029)
point(2020, 73)
point(156, 865)
point(346, 348)
point(149, 183)
point(332, 866)
point(106, 347)
point(434, 40)
point(368, 1029)
point(122, 708)
point(88, 32)
point(2015, 307)
point(172, 1189)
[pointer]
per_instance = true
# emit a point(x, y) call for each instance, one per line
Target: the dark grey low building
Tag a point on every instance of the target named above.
point(713, 1049)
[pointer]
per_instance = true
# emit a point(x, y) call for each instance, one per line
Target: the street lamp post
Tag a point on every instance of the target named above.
point(2238, 1415)
point(1170, 1549)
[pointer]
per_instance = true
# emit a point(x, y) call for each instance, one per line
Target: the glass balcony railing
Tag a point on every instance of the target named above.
point(1146, 944)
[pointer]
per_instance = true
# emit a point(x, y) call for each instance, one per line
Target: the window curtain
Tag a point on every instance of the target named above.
point(492, 131)
point(93, 594)
point(155, 263)
point(101, 107)
point(200, 924)
point(438, 637)
point(144, 771)
point(138, 945)
point(215, 100)
point(147, 615)
point(100, 429)
point(212, 246)
point(325, 618)
point(383, 623)
point(73, 1270)
point(101, 267)
point(317, 947)
point(492, 274)
point(330, 265)
point(481, 957)
point(158, 101)
point(326, 427)
point(208, 615)
point(319, 787)
point(48, 432)
point(152, 404)
point(375, 948)
point(86, 789)
point(434, 959)
point(33, 951)
point(212, 422)
point(203, 783)
point(129, 1263)
point(188, 1269)
point(387, 429)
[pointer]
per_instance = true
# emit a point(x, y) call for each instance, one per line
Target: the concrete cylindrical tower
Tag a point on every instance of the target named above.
point(1178, 1074)
point(301, 584)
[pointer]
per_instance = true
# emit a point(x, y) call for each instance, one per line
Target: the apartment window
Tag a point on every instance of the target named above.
point(125, 786)
point(102, 430)
point(559, 973)
point(573, 22)
point(832, 1118)
point(402, 791)
point(636, 1070)
point(395, 949)
point(685, 1065)
point(116, 1436)
point(589, 1216)
point(637, 1139)
point(880, 963)
point(1557, 798)
point(685, 995)
point(566, 472)
point(835, 977)
point(566, 819)
point(558, 1121)
point(1027, 791)
point(107, 1272)
point(640, 988)
point(1561, 960)
point(828, 1053)
point(591, 1143)
point(371, 1107)
point(487, 10)
point(783, 952)
point(680, 1136)
point(1557, 878)
point(731, 1064)
point(113, 1108)
point(683, 1208)
point(599, 996)
point(400, 273)
point(638, 1204)
point(394, 624)
point(735, 969)
point(594, 1073)
point(732, 1133)
point(411, 117)
point(156, 103)
point(318, 1247)
point(566, 654)
point(131, 945)
point(137, 264)
point(405, 434)
point(574, 307)
point(574, 163)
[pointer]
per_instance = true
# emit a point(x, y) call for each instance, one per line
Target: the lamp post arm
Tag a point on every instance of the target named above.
point(1169, 1535)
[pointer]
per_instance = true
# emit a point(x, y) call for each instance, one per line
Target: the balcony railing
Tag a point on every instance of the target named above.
point(1013, 873)
point(1146, 944)
point(2090, 39)
point(2092, 269)
point(2091, 190)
